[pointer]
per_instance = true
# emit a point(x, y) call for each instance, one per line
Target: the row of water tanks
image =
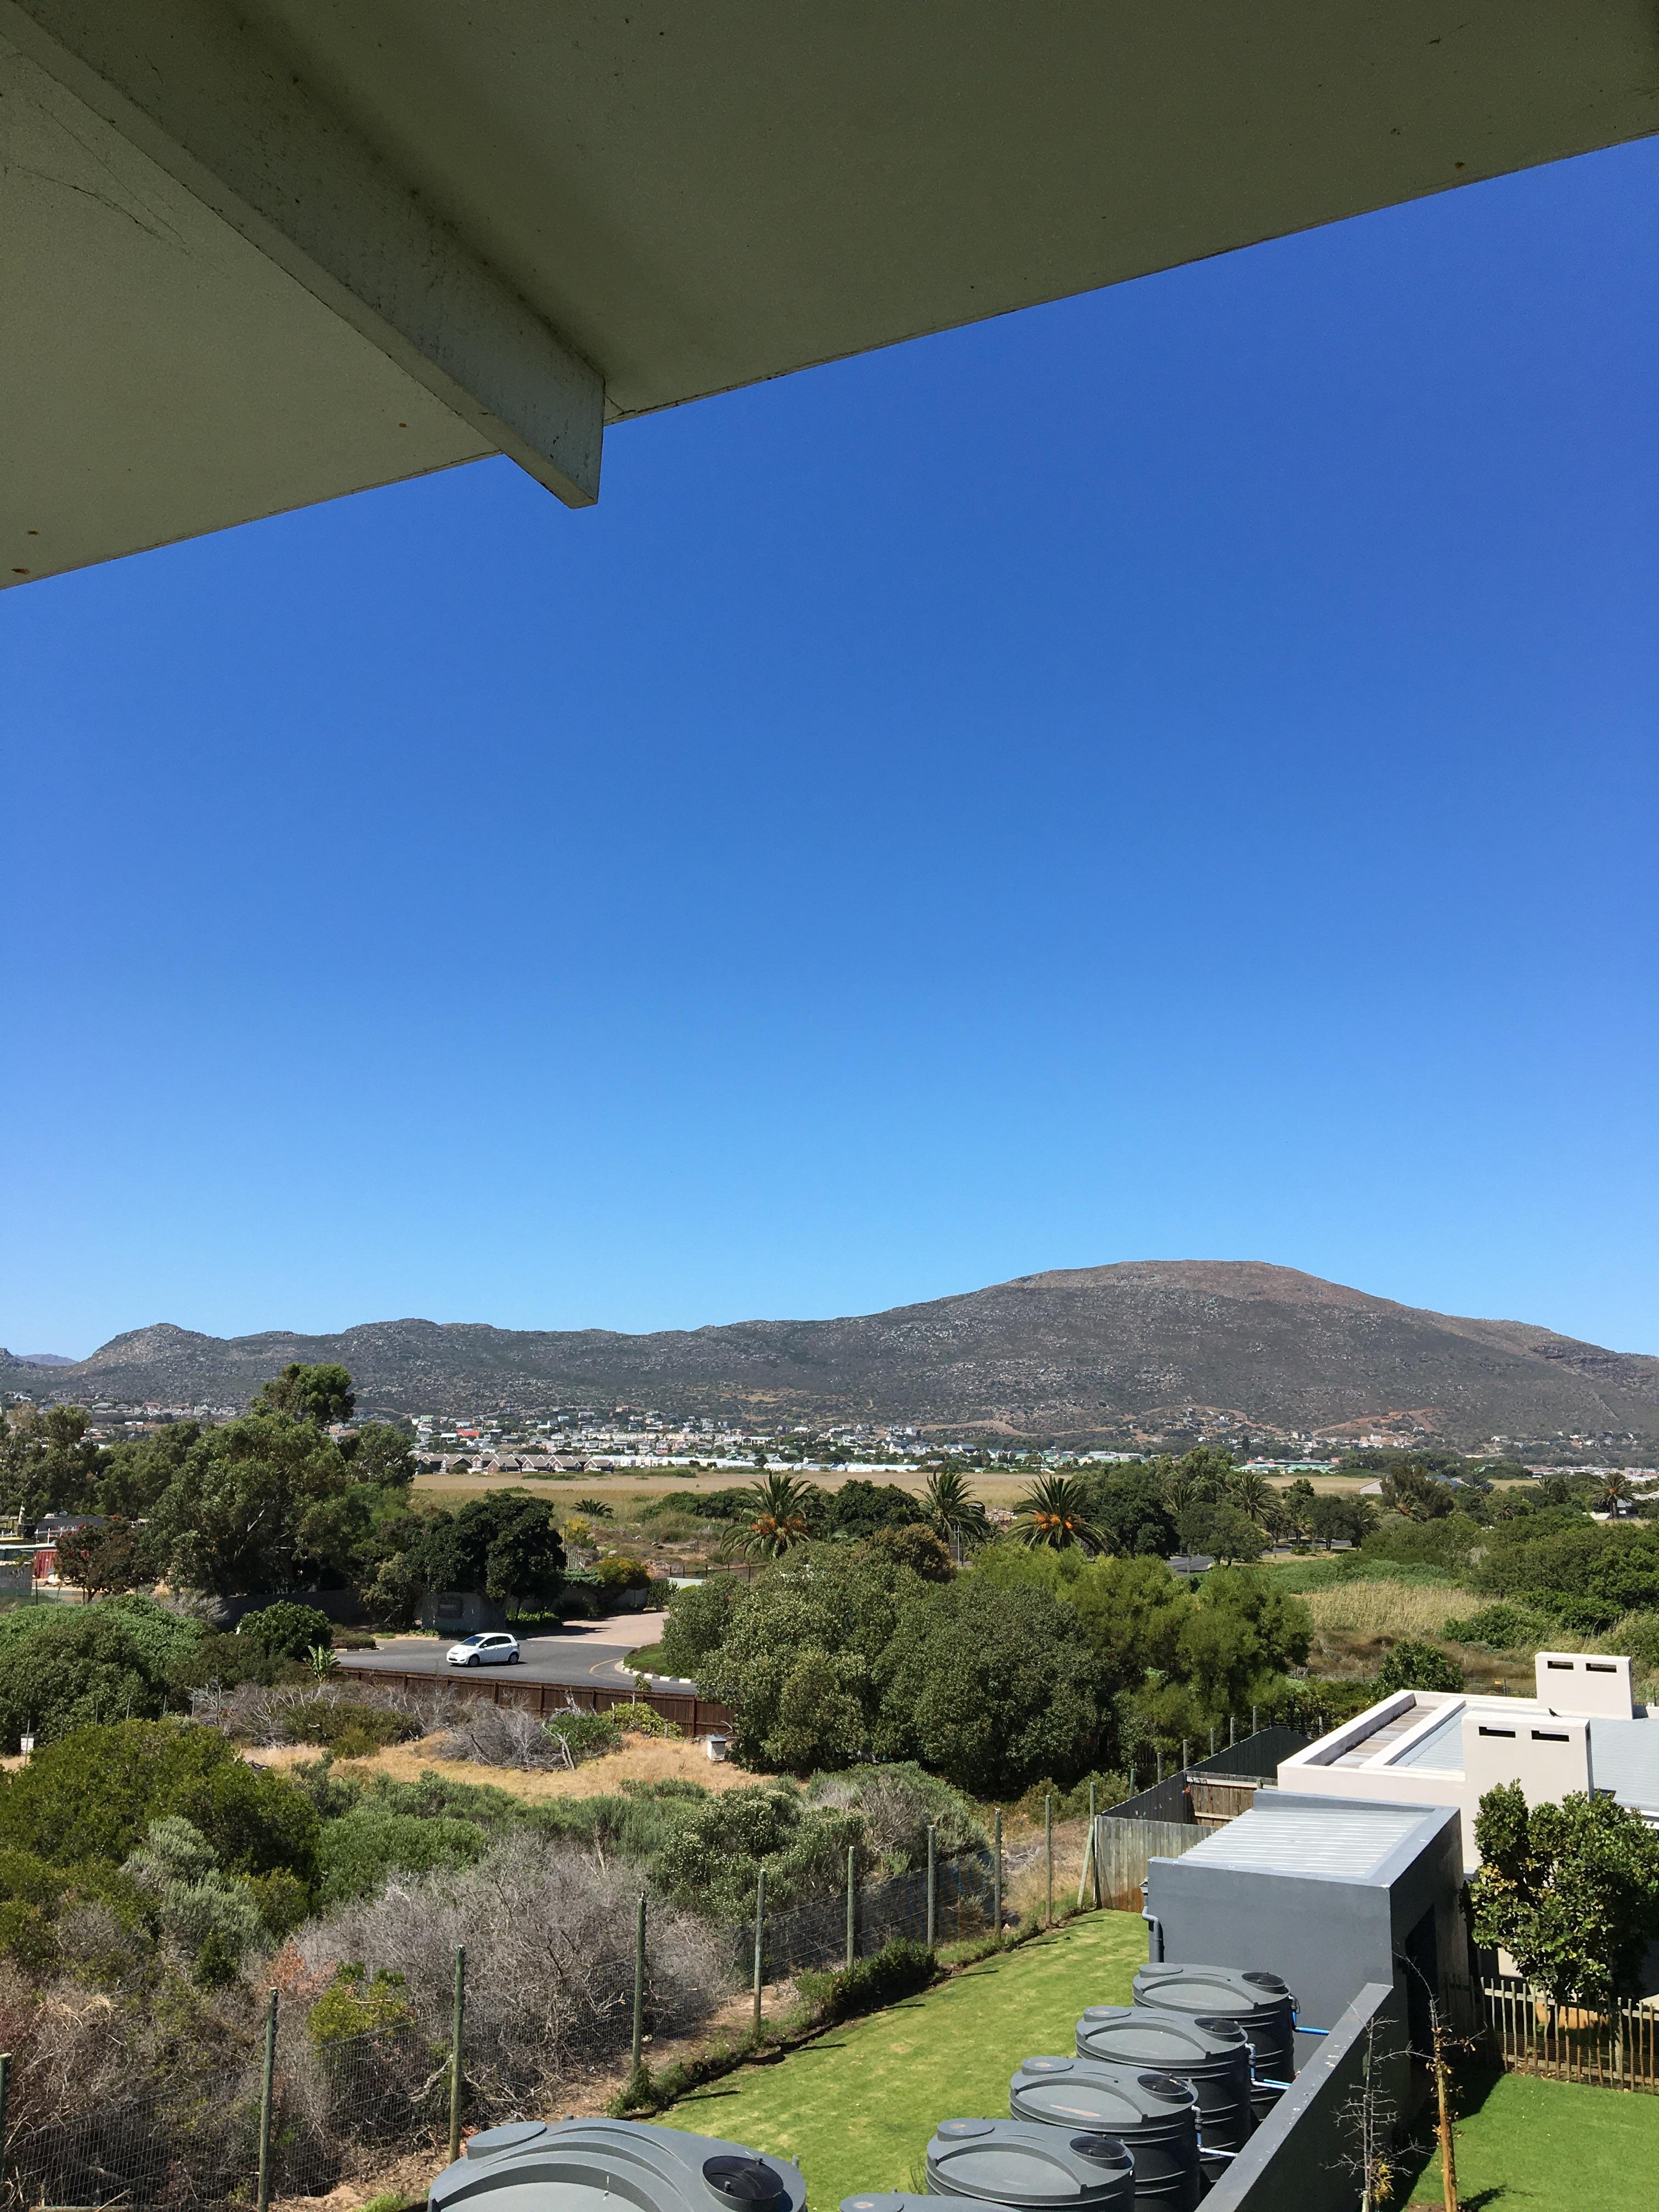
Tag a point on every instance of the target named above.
point(1148, 2111)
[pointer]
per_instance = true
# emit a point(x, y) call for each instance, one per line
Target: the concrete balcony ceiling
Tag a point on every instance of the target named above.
point(254, 256)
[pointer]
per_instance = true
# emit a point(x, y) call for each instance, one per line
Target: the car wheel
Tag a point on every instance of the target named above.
point(471, 1658)
point(513, 1657)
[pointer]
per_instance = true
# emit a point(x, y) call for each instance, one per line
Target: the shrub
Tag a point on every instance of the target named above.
point(1412, 1666)
point(358, 1851)
point(900, 1969)
point(93, 1795)
point(285, 1630)
point(1637, 1636)
point(1571, 1891)
point(166, 1639)
point(710, 1853)
point(637, 1719)
point(213, 1917)
point(81, 1666)
point(896, 1805)
point(619, 1573)
point(550, 1938)
point(356, 2002)
point(500, 1735)
point(584, 1735)
point(1500, 1627)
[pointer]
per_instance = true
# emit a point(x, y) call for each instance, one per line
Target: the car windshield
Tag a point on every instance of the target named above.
point(474, 1639)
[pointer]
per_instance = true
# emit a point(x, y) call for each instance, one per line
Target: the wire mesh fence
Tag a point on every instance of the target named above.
point(352, 2070)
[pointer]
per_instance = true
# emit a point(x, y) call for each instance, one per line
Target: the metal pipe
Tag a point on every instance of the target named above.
point(932, 1884)
point(456, 2020)
point(760, 1940)
point(996, 1871)
point(852, 1905)
point(639, 1982)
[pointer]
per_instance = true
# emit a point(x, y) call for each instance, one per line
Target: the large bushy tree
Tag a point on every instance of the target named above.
point(505, 1545)
point(1569, 1891)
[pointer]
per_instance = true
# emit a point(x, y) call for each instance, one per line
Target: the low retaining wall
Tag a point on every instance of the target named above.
point(697, 1715)
point(1306, 2154)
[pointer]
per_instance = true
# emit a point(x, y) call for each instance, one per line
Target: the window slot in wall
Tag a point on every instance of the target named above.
point(1490, 1731)
point(1549, 1736)
point(1600, 1667)
point(1560, 1666)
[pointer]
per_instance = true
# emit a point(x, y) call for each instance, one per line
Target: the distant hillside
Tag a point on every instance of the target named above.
point(1100, 1353)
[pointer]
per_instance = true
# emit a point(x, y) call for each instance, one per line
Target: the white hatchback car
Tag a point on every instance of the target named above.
point(489, 1648)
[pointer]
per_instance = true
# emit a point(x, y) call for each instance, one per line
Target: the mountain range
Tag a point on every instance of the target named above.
point(1135, 1352)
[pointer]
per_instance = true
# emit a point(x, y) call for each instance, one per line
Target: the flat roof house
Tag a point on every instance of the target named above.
point(1582, 1731)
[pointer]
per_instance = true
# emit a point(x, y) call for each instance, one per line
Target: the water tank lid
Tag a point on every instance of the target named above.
point(748, 2183)
point(960, 2130)
point(489, 2140)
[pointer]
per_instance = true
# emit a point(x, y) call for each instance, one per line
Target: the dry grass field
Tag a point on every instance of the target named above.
point(641, 1759)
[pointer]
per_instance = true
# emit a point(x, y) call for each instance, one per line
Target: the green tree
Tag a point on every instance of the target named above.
point(1130, 1506)
point(232, 1518)
point(950, 1509)
point(1569, 1891)
point(1252, 1493)
point(776, 1507)
point(916, 1548)
point(48, 1463)
point(1412, 1491)
point(381, 1454)
point(1235, 1536)
point(698, 1616)
point(797, 1665)
point(316, 1395)
point(98, 1560)
point(83, 1666)
point(993, 1687)
point(1054, 1511)
point(133, 1475)
point(505, 1545)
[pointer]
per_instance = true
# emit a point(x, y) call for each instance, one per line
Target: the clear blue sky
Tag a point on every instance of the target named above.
point(1165, 776)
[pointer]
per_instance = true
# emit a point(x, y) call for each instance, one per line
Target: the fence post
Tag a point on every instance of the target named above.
point(1212, 1739)
point(457, 2018)
point(1232, 1730)
point(1255, 1726)
point(996, 1874)
point(932, 1884)
point(852, 1905)
point(1094, 1838)
point(267, 2091)
point(760, 1940)
point(639, 1982)
point(1048, 1850)
point(5, 2096)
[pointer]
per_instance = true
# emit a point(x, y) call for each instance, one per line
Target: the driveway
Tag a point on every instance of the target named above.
point(582, 1651)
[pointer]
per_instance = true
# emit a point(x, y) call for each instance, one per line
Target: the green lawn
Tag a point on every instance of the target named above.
point(854, 2110)
point(1533, 2146)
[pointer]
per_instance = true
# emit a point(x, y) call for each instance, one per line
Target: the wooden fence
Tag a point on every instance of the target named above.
point(697, 1715)
point(1616, 2049)
point(1122, 1849)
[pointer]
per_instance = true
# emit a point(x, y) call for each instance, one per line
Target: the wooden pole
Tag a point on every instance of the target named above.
point(1094, 1842)
point(760, 1940)
point(457, 2019)
point(996, 1871)
point(1447, 2155)
point(639, 1982)
point(852, 1905)
point(1048, 1847)
point(932, 1884)
point(267, 2097)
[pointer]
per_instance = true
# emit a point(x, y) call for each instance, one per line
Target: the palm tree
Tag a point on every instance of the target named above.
point(778, 1501)
point(1054, 1511)
point(948, 1505)
point(1616, 1489)
point(1252, 1493)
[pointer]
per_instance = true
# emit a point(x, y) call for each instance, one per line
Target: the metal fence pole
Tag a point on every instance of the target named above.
point(1094, 1840)
point(1049, 1848)
point(852, 1905)
point(457, 2019)
point(1232, 1731)
point(639, 1982)
point(5, 2098)
point(932, 1885)
point(1212, 1741)
point(1256, 1725)
point(760, 1940)
point(996, 1874)
point(1185, 1757)
point(267, 2092)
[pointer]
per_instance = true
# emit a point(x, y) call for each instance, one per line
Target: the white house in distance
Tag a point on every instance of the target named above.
point(1581, 1732)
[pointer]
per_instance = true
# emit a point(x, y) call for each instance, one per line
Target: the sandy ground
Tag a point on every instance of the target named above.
point(641, 1759)
point(994, 1488)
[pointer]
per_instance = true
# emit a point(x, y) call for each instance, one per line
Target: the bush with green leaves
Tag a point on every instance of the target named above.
point(77, 1667)
point(1412, 1665)
point(619, 1572)
point(1569, 1891)
point(358, 1853)
point(94, 1795)
point(584, 1735)
point(287, 1630)
point(1497, 1627)
point(698, 1616)
point(710, 1857)
point(209, 1915)
point(797, 1664)
point(990, 1686)
point(902, 1968)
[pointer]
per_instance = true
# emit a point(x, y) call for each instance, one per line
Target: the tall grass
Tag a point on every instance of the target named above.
point(1383, 1608)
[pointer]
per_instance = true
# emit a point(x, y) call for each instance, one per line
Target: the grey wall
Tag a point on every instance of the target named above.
point(1294, 2162)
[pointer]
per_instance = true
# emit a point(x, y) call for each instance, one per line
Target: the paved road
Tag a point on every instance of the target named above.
point(583, 1651)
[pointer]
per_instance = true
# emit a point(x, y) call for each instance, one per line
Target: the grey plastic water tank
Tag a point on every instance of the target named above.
point(592, 2166)
point(1022, 2164)
point(1153, 2116)
point(1257, 2000)
point(1213, 2055)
